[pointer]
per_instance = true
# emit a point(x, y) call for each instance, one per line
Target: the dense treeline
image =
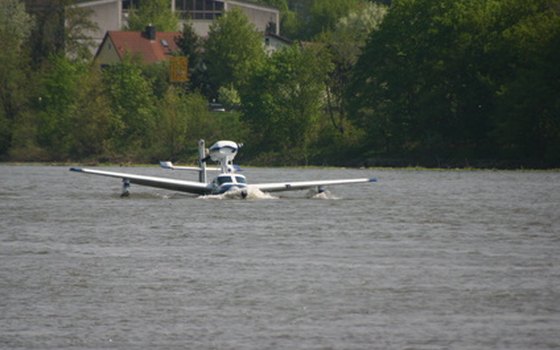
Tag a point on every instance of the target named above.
point(453, 82)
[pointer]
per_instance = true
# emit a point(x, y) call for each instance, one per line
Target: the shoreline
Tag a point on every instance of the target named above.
point(375, 166)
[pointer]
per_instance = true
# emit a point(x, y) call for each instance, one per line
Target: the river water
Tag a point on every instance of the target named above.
point(419, 260)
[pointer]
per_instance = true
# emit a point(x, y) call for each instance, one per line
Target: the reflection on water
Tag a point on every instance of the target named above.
point(419, 260)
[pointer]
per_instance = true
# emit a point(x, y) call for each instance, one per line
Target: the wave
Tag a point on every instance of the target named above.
point(252, 194)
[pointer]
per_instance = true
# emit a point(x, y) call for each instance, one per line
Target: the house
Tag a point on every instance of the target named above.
point(274, 42)
point(150, 46)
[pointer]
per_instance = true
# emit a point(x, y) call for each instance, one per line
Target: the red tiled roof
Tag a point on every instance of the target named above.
point(136, 43)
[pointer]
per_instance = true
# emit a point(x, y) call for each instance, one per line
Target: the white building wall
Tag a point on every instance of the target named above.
point(272, 44)
point(107, 14)
point(201, 27)
point(258, 15)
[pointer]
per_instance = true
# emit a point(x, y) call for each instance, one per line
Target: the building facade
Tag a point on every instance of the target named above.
point(201, 13)
point(108, 14)
point(111, 15)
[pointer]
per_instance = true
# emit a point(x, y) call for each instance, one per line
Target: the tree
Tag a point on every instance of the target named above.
point(155, 12)
point(78, 28)
point(15, 27)
point(431, 81)
point(345, 44)
point(284, 101)
point(324, 15)
point(191, 46)
point(233, 50)
point(61, 28)
point(528, 103)
point(59, 86)
point(48, 35)
point(171, 133)
point(134, 107)
point(288, 18)
point(157, 75)
point(91, 118)
point(422, 87)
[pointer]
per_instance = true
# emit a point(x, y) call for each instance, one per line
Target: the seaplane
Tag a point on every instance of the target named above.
point(228, 181)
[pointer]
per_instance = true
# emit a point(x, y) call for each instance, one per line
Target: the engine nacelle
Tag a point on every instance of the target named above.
point(224, 152)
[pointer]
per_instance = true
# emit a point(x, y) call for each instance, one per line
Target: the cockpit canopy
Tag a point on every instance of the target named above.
point(235, 179)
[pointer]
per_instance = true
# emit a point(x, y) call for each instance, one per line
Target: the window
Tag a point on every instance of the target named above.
point(240, 180)
point(224, 179)
point(198, 9)
point(127, 4)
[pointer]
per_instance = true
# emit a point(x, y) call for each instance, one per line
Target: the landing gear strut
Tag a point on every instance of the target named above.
point(125, 188)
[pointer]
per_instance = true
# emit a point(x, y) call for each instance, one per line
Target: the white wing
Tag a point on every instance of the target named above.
point(152, 181)
point(301, 185)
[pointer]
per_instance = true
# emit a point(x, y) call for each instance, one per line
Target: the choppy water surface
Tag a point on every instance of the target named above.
point(420, 260)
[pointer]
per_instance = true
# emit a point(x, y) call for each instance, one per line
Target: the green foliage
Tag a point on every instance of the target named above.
point(173, 125)
point(191, 46)
point(185, 118)
point(528, 103)
point(78, 26)
point(427, 82)
point(58, 91)
point(15, 27)
point(60, 28)
point(133, 104)
point(73, 113)
point(208, 125)
point(48, 36)
point(91, 117)
point(233, 50)
point(157, 75)
point(345, 45)
point(155, 12)
point(24, 139)
point(284, 101)
point(448, 80)
point(5, 133)
point(324, 15)
point(15, 23)
point(190, 43)
point(229, 97)
point(306, 19)
point(288, 18)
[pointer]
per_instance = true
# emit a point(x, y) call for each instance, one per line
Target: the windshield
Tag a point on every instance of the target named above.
point(240, 179)
point(224, 179)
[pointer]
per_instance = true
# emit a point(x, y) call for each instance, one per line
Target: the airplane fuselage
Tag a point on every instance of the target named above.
point(227, 182)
